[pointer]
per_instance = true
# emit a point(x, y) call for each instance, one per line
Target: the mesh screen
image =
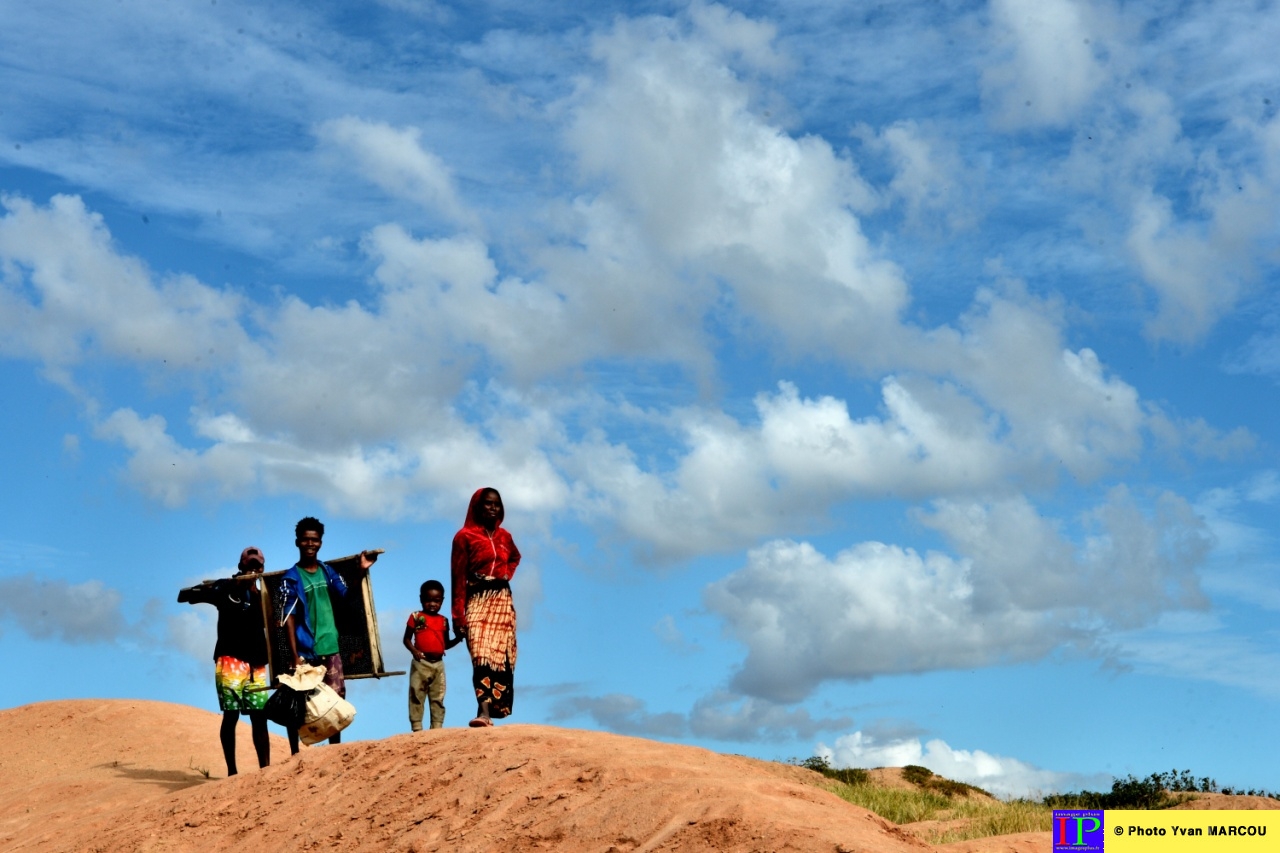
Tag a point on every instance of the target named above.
point(349, 613)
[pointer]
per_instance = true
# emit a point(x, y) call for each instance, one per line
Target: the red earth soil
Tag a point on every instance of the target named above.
point(124, 775)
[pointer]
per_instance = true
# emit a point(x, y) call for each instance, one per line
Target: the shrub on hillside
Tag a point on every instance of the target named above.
point(1153, 792)
point(923, 777)
point(847, 775)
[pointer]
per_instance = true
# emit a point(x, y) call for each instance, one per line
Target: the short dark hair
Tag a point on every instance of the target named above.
point(428, 586)
point(308, 523)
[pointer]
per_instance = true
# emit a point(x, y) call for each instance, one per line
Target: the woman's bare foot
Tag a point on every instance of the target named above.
point(482, 716)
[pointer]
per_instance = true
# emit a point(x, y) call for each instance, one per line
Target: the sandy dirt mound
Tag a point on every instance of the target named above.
point(125, 776)
point(889, 777)
point(896, 777)
point(81, 762)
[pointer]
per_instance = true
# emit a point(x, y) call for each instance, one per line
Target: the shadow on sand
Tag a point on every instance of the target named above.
point(170, 780)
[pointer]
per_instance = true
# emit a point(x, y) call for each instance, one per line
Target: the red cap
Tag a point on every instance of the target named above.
point(252, 555)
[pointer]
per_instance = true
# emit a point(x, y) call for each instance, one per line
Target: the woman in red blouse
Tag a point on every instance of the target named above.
point(484, 559)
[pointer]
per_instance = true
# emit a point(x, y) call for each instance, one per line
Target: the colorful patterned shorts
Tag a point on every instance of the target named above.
point(241, 687)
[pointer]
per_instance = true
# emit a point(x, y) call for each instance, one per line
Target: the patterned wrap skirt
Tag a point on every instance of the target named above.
point(491, 640)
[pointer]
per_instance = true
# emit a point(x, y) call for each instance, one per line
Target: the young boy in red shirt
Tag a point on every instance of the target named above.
point(426, 636)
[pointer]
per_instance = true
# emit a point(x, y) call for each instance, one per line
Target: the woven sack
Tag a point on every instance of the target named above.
point(304, 677)
point(327, 714)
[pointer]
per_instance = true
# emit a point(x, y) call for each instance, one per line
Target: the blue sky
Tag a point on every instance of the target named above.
point(892, 382)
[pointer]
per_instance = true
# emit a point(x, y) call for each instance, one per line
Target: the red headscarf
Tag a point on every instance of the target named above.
point(475, 505)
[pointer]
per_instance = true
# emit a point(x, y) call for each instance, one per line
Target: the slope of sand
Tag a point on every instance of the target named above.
point(79, 763)
point(126, 776)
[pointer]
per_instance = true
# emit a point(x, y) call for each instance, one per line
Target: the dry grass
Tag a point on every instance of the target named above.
point(981, 817)
point(1001, 819)
point(893, 804)
point(939, 810)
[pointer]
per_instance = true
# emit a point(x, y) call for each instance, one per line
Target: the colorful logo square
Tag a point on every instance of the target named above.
point(1079, 830)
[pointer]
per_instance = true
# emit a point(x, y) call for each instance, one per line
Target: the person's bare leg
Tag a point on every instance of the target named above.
point(227, 734)
point(261, 740)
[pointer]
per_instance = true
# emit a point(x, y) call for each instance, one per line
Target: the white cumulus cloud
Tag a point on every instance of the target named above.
point(996, 774)
point(1019, 589)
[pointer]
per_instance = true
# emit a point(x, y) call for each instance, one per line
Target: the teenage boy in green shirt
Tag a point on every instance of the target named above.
point(310, 587)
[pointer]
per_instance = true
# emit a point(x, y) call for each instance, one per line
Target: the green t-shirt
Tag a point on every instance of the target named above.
point(320, 612)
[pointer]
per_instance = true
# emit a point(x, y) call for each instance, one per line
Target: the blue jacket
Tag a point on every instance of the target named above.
point(295, 603)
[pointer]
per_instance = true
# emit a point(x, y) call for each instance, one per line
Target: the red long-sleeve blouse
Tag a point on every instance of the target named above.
point(479, 555)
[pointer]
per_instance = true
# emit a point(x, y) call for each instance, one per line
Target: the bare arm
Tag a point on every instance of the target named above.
point(457, 638)
point(291, 629)
point(458, 562)
point(408, 643)
point(513, 554)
